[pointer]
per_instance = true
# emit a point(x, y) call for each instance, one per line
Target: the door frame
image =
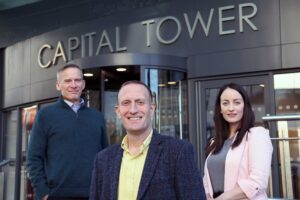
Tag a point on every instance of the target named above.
point(197, 105)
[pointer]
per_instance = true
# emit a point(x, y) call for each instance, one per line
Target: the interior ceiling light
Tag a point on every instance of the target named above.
point(161, 85)
point(88, 74)
point(121, 69)
point(172, 82)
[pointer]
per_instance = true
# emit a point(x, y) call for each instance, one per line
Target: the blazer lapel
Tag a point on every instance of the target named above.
point(115, 172)
point(153, 155)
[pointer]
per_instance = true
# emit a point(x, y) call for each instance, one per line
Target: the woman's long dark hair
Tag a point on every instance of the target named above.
point(222, 126)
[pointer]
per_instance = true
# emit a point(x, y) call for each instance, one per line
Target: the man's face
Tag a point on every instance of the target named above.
point(70, 84)
point(135, 109)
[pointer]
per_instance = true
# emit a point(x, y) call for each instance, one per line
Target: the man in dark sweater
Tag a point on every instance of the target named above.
point(64, 141)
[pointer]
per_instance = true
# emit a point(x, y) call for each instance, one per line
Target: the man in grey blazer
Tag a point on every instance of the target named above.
point(146, 165)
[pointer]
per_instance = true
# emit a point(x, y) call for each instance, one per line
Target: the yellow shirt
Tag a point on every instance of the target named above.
point(132, 169)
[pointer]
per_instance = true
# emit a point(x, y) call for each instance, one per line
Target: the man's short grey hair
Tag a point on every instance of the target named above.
point(67, 66)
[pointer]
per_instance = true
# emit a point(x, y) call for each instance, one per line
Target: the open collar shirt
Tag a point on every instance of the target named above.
point(131, 169)
point(75, 106)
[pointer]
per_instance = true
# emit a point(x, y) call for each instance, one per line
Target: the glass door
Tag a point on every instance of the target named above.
point(112, 79)
point(286, 180)
point(169, 91)
point(8, 164)
point(28, 115)
point(102, 86)
point(14, 182)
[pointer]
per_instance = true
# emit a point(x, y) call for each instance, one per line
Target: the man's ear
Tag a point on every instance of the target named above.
point(117, 111)
point(83, 84)
point(57, 86)
point(153, 106)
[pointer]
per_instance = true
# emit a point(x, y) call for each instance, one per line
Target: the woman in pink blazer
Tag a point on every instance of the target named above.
point(239, 156)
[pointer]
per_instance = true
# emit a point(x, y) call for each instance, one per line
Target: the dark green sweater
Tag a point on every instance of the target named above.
point(62, 148)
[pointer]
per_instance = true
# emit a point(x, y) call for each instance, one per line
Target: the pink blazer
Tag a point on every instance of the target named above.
point(247, 165)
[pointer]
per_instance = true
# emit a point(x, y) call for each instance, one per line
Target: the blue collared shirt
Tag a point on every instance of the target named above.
point(75, 106)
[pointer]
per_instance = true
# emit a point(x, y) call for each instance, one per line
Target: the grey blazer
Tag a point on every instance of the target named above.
point(170, 172)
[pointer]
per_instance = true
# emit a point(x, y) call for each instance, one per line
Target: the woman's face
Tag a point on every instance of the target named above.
point(232, 107)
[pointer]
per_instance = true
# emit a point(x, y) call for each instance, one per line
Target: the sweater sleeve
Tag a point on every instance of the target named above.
point(260, 156)
point(36, 158)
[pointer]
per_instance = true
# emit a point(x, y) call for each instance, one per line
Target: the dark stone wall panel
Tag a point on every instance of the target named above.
point(233, 62)
point(290, 55)
point(17, 65)
point(290, 17)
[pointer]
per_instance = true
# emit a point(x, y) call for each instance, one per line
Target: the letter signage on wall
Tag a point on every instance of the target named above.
point(93, 43)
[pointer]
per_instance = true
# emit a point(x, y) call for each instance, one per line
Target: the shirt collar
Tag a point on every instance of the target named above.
point(143, 147)
point(71, 103)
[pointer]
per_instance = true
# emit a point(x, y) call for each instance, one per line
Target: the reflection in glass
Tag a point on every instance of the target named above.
point(28, 115)
point(10, 146)
point(170, 94)
point(113, 125)
point(112, 81)
point(287, 95)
